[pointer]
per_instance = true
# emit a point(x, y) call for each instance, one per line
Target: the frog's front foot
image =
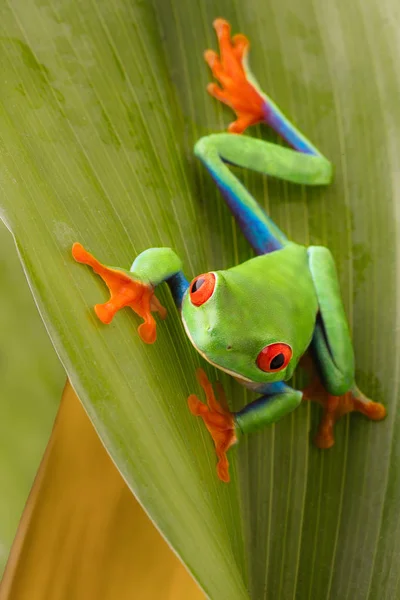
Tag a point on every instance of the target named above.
point(218, 420)
point(335, 407)
point(236, 91)
point(125, 291)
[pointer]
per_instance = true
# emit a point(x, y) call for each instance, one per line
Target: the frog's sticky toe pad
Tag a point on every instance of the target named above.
point(80, 254)
point(324, 438)
point(104, 312)
point(148, 331)
point(373, 410)
point(218, 421)
point(124, 291)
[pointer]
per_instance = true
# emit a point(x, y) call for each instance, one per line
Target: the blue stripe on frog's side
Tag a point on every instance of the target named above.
point(268, 389)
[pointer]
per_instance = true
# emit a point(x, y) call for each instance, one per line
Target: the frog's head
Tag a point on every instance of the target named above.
point(243, 327)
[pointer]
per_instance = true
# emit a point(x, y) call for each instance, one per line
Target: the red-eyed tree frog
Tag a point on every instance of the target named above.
point(255, 320)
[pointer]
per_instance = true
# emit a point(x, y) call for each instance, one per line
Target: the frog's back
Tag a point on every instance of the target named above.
point(285, 270)
point(278, 290)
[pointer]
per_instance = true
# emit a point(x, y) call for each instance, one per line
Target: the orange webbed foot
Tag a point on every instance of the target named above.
point(125, 291)
point(335, 407)
point(237, 92)
point(218, 420)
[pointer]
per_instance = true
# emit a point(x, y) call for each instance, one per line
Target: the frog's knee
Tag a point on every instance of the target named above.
point(204, 147)
point(338, 383)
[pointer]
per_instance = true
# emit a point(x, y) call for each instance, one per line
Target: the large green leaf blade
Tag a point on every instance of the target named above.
point(88, 151)
point(332, 67)
point(99, 149)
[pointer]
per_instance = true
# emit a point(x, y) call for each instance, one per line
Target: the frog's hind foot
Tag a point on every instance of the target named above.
point(124, 291)
point(335, 407)
point(218, 420)
point(230, 70)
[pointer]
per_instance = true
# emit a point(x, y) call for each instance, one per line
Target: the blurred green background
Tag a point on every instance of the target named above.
point(31, 382)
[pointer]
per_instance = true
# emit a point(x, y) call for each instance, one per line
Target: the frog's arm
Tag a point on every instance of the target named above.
point(279, 400)
point(305, 164)
point(135, 288)
point(226, 428)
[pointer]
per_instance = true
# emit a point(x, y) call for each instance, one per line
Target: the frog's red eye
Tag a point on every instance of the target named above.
point(274, 357)
point(201, 288)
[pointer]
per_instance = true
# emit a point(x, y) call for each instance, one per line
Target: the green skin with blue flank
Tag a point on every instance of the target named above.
point(288, 294)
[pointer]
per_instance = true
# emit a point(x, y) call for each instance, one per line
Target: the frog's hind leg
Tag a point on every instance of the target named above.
point(241, 91)
point(332, 352)
point(218, 150)
point(304, 165)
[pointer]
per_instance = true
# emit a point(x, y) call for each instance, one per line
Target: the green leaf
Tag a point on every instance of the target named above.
point(31, 380)
point(101, 106)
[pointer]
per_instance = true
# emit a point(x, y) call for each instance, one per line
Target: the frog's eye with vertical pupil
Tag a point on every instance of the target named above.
point(201, 288)
point(274, 358)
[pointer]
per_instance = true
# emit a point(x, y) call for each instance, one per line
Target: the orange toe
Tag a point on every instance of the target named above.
point(324, 440)
point(196, 407)
point(79, 253)
point(240, 45)
point(335, 407)
point(210, 56)
point(148, 329)
point(218, 420)
point(104, 312)
point(223, 469)
point(221, 26)
point(373, 410)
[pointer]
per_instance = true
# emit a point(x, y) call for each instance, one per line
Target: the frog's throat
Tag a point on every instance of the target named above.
point(233, 373)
